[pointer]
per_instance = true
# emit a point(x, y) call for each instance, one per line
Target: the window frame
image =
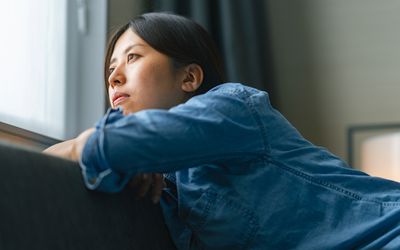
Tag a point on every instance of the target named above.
point(84, 100)
point(18, 135)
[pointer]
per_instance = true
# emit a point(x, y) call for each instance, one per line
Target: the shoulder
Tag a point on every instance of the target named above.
point(238, 91)
point(229, 97)
point(234, 88)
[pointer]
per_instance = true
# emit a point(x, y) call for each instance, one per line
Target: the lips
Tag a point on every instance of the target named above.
point(118, 98)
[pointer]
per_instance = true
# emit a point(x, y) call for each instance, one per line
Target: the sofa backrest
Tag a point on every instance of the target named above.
point(45, 205)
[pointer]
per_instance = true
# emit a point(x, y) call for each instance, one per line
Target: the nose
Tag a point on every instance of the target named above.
point(117, 77)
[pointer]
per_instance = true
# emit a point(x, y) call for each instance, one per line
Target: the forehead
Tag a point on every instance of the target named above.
point(127, 40)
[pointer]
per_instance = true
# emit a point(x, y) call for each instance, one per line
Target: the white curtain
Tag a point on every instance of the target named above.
point(33, 65)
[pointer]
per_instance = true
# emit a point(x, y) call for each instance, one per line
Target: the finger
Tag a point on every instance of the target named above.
point(145, 185)
point(158, 185)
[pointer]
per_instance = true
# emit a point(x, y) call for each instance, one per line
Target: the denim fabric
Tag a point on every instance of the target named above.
point(241, 177)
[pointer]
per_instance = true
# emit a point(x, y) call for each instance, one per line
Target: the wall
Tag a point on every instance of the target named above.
point(120, 11)
point(337, 64)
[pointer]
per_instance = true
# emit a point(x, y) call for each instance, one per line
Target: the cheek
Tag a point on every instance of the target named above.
point(146, 73)
point(158, 73)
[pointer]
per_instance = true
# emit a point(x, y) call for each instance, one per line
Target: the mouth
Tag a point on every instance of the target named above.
point(118, 98)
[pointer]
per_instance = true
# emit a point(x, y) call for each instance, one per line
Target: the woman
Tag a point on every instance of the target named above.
point(238, 175)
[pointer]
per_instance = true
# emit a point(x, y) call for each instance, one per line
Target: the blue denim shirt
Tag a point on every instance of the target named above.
point(241, 177)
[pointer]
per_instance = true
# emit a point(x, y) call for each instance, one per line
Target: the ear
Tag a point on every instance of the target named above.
point(193, 77)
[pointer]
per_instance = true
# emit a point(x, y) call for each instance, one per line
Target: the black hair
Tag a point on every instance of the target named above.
point(179, 38)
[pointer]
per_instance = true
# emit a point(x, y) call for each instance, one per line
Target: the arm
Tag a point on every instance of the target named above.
point(71, 149)
point(207, 129)
point(143, 183)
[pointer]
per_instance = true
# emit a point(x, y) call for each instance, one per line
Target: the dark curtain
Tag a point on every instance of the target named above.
point(239, 27)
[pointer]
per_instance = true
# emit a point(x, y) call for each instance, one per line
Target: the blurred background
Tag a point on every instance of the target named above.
point(330, 66)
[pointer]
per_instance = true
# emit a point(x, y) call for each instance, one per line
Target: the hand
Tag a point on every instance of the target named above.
point(145, 183)
point(70, 149)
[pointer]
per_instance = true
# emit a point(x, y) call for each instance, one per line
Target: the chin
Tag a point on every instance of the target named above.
point(127, 111)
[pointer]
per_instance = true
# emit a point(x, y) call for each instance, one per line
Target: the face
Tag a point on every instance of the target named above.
point(142, 78)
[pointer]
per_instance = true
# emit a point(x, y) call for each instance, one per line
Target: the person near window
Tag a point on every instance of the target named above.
point(229, 170)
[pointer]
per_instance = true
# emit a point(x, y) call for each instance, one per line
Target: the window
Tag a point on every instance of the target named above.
point(52, 55)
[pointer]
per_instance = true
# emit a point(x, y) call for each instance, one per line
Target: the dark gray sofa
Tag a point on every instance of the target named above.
point(44, 205)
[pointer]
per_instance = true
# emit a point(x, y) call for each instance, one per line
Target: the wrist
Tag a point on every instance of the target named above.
point(79, 143)
point(74, 155)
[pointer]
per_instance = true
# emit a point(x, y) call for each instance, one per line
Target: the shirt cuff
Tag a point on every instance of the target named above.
point(97, 173)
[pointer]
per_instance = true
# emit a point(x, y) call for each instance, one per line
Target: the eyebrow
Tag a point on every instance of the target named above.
point(126, 51)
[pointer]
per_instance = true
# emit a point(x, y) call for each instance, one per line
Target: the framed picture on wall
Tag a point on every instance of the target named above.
point(375, 149)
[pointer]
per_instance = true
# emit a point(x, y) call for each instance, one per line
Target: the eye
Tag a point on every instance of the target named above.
point(132, 56)
point(110, 70)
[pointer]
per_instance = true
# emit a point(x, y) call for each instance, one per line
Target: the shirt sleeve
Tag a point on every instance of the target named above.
point(221, 124)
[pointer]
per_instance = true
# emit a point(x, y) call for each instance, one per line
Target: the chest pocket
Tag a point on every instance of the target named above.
point(220, 223)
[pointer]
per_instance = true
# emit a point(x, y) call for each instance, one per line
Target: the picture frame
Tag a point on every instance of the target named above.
point(357, 134)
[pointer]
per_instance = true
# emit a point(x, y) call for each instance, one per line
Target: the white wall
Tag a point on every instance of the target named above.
point(337, 64)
